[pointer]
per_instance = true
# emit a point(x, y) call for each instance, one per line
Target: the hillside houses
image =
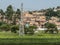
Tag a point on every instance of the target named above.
point(39, 19)
point(36, 18)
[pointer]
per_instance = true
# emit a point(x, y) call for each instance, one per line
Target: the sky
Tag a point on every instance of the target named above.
point(29, 4)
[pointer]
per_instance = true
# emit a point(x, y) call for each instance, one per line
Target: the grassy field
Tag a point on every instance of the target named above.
point(9, 38)
point(8, 35)
point(16, 35)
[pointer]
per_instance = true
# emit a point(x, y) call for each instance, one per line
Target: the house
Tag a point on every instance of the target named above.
point(36, 18)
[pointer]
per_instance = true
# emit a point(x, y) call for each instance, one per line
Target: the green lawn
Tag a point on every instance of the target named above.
point(27, 38)
point(8, 37)
point(16, 35)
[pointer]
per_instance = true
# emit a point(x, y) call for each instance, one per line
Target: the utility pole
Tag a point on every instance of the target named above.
point(21, 23)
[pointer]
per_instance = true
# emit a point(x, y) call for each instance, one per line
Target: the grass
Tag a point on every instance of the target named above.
point(8, 37)
point(16, 35)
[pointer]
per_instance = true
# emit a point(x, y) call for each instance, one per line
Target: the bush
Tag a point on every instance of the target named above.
point(1, 23)
point(51, 28)
point(14, 28)
point(30, 30)
point(5, 27)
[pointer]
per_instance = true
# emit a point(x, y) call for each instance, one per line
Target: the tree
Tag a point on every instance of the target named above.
point(9, 12)
point(14, 19)
point(30, 12)
point(50, 12)
point(18, 12)
point(58, 7)
point(2, 13)
point(16, 16)
point(51, 27)
point(58, 13)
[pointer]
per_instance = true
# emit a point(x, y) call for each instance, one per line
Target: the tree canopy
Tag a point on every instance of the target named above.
point(2, 12)
point(9, 12)
point(51, 27)
point(50, 12)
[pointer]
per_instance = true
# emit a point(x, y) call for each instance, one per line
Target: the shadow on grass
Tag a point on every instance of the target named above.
point(29, 43)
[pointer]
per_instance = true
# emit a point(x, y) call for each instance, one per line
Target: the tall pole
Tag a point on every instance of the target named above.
point(21, 26)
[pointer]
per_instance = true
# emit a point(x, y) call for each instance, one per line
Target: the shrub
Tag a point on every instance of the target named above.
point(5, 27)
point(1, 23)
point(51, 28)
point(14, 28)
point(30, 30)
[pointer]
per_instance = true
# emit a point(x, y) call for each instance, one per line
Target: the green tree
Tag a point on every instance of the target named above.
point(51, 27)
point(58, 7)
point(18, 12)
point(14, 19)
point(16, 16)
point(58, 13)
point(49, 13)
point(30, 12)
point(9, 12)
point(2, 13)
